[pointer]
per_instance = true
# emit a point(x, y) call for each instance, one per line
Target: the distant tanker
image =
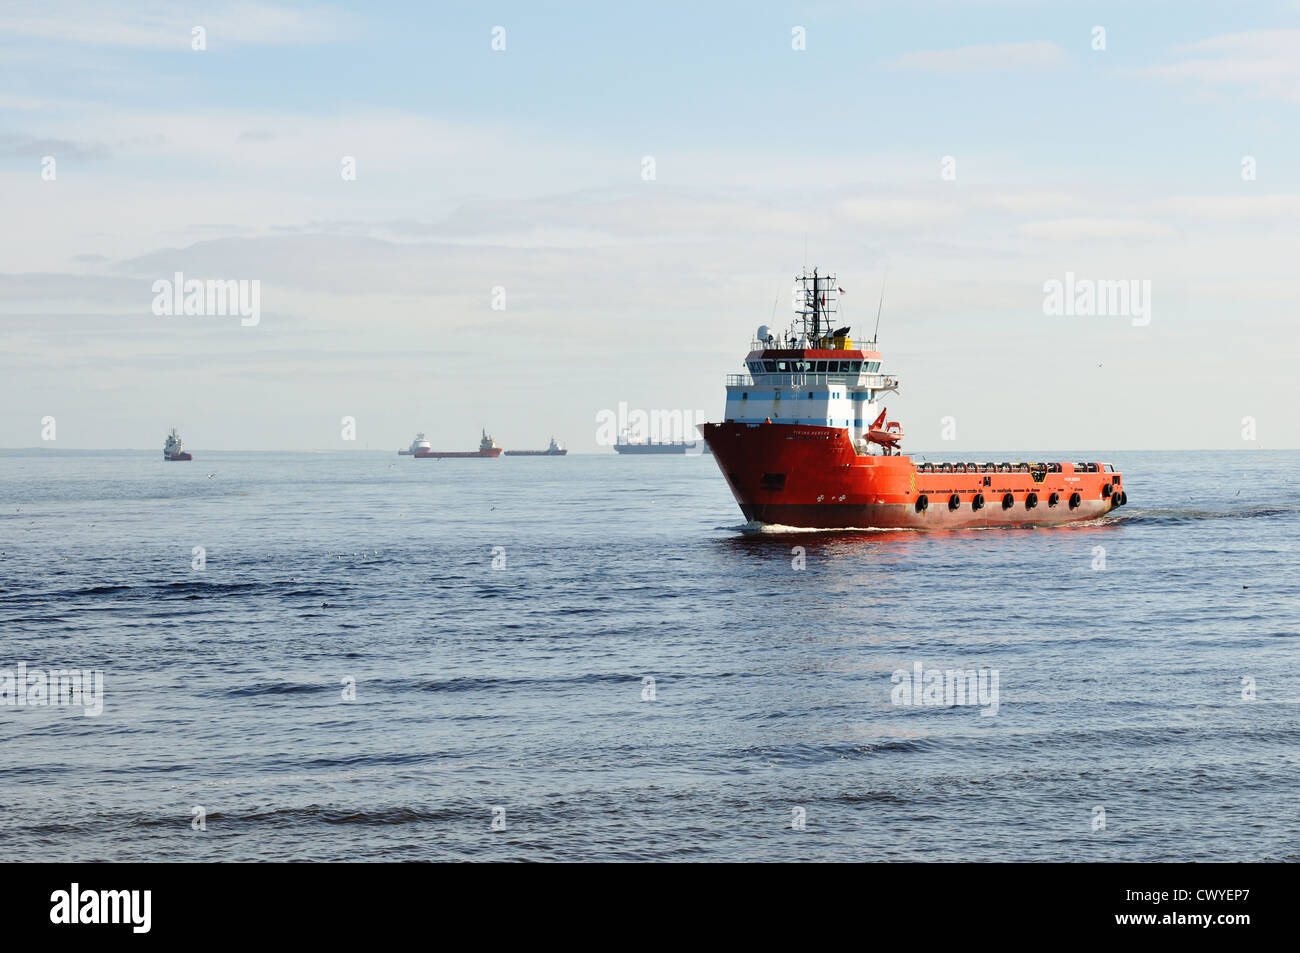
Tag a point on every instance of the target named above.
point(625, 445)
point(553, 450)
point(486, 448)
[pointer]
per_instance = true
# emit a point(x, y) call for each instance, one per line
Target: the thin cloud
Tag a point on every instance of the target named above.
point(895, 213)
point(162, 26)
point(1085, 229)
point(23, 147)
point(983, 58)
point(1261, 63)
point(1272, 207)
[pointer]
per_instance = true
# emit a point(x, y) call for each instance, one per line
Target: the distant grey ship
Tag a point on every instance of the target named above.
point(554, 450)
point(625, 445)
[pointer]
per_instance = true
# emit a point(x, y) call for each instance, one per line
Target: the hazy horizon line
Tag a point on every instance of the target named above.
point(596, 453)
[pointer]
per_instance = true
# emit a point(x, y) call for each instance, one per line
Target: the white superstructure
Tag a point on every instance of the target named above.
point(418, 445)
point(811, 374)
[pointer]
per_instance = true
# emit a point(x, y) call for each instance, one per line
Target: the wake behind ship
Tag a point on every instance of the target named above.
point(805, 443)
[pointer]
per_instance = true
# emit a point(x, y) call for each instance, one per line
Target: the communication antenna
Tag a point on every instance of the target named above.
point(880, 307)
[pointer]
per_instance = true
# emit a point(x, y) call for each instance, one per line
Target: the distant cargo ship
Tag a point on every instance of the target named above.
point(801, 444)
point(418, 444)
point(173, 449)
point(486, 448)
point(554, 450)
point(625, 445)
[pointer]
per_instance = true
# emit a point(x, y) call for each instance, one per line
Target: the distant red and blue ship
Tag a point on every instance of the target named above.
point(422, 449)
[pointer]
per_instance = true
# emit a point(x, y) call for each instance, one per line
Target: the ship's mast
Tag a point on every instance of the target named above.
point(818, 303)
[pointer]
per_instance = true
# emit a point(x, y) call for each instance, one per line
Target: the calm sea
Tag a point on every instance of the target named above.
point(500, 622)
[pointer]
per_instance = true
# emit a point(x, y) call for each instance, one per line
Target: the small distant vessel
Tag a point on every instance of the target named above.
point(554, 450)
point(173, 449)
point(418, 444)
point(486, 448)
point(626, 445)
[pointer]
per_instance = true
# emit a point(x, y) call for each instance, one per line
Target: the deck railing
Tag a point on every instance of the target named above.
point(796, 381)
point(1054, 466)
point(779, 344)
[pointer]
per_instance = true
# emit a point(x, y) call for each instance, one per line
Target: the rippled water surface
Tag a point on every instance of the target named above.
point(521, 687)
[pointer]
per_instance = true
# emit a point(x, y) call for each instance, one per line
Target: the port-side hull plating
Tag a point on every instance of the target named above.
point(810, 477)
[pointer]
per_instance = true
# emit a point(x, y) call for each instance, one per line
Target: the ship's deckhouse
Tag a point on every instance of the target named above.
point(827, 387)
point(812, 374)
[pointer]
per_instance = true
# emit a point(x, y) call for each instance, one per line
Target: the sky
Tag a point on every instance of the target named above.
point(603, 211)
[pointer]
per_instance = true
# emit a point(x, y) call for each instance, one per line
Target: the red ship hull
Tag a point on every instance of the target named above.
point(173, 457)
point(448, 454)
point(811, 477)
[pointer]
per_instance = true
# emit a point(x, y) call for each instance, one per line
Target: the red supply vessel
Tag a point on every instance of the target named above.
point(806, 443)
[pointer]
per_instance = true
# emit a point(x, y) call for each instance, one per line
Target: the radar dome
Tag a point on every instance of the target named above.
point(764, 332)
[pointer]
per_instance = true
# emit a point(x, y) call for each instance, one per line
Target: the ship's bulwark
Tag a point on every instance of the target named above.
point(810, 477)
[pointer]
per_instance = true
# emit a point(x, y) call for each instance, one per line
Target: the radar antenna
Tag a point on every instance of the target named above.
point(817, 303)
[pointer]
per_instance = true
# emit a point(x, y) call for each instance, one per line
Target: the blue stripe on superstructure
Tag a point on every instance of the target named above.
point(822, 422)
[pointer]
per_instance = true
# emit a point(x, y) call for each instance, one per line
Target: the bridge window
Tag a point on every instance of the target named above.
point(769, 366)
point(821, 367)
